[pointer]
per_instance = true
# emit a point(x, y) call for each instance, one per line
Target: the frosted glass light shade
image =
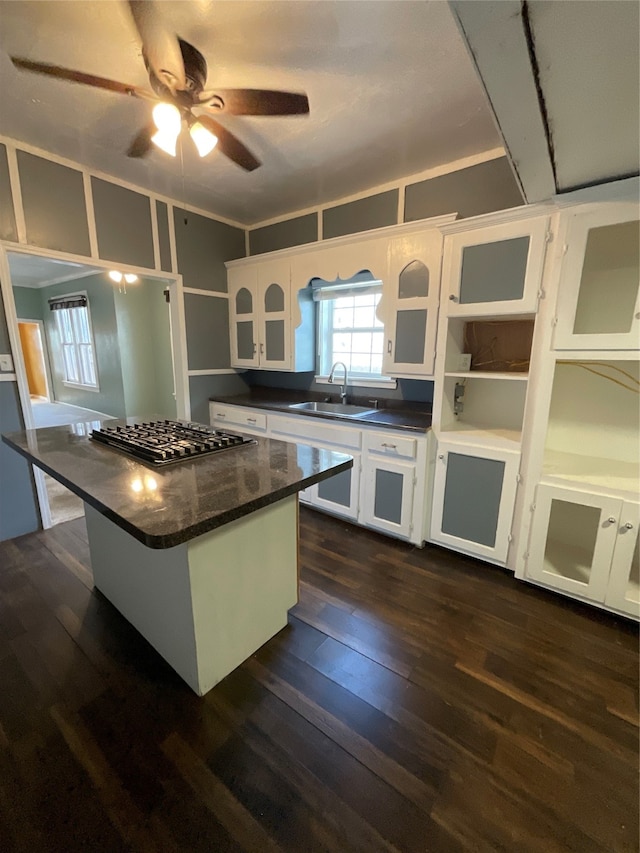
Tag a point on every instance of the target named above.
point(116, 276)
point(168, 120)
point(204, 140)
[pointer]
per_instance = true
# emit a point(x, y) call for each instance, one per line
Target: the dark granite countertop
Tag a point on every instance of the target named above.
point(398, 414)
point(166, 507)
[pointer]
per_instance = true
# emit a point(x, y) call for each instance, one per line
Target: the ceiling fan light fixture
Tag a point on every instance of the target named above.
point(116, 276)
point(168, 120)
point(203, 139)
point(166, 141)
point(130, 277)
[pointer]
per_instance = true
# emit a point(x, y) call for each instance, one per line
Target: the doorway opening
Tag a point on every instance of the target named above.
point(89, 349)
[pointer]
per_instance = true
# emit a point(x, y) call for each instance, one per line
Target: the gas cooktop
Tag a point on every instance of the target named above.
point(164, 442)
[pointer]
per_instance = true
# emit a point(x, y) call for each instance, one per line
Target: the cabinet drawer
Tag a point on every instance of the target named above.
point(308, 430)
point(391, 444)
point(239, 417)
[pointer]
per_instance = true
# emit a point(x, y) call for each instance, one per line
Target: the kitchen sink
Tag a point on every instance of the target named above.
point(345, 410)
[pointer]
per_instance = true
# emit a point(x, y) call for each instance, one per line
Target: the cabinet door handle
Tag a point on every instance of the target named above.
point(611, 520)
point(389, 346)
point(254, 349)
point(441, 456)
point(251, 420)
point(453, 297)
point(261, 349)
point(629, 526)
point(221, 415)
point(390, 446)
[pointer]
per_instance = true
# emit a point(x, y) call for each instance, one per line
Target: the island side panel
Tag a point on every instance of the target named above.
point(151, 589)
point(209, 604)
point(244, 579)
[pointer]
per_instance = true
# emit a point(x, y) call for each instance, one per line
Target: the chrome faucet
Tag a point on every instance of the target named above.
point(343, 387)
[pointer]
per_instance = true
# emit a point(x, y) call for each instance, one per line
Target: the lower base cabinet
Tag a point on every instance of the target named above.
point(586, 544)
point(473, 499)
point(341, 493)
point(386, 489)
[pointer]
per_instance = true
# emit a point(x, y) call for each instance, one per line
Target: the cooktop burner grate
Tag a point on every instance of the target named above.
point(164, 442)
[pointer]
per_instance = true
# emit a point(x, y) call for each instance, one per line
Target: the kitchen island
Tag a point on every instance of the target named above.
point(200, 556)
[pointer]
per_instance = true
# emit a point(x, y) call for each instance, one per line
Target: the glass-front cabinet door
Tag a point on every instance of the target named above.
point(598, 300)
point(573, 537)
point(496, 269)
point(623, 589)
point(243, 312)
point(274, 288)
point(409, 307)
point(473, 498)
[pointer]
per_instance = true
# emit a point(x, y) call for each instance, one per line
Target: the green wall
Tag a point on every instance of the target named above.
point(100, 293)
point(28, 303)
point(142, 316)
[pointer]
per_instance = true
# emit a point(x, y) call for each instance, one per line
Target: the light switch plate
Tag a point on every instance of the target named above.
point(464, 362)
point(6, 364)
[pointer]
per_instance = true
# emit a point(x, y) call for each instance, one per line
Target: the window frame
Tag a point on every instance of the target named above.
point(76, 345)
point(324, 336)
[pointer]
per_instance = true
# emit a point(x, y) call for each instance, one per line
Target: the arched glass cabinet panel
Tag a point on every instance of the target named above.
point(244, 301)
point(413, 281)
point(411, 314)
point(274, 299)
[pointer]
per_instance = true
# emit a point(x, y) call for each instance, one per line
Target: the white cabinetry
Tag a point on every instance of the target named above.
point(390, 475)
point(586, 544)
point(339, 494)
point(410, 300)
point(473, 499)
point(494, 268)
point(271, 323)
point(386, 489)
point(492, 273)
point(599, 303)
point(582, 463)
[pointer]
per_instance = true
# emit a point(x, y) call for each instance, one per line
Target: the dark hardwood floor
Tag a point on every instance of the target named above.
point(418, 701)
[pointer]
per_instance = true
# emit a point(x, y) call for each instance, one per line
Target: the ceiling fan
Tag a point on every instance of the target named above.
point(178, 74)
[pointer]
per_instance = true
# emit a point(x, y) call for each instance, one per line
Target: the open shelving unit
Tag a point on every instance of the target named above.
point(486, 406)
point(594, 422)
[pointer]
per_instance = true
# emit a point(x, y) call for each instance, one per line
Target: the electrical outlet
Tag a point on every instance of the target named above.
point(464, 362)
point(6, 364)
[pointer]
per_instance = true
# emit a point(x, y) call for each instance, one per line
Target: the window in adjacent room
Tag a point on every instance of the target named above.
point(348, 328)
point(73, 324)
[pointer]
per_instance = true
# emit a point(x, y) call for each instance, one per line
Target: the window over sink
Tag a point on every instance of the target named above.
point(348, 328)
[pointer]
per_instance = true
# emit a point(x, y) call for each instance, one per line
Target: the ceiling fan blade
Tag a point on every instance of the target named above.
point(80, 77)
point(230, 145)
point(141, 144)
point(256, 102)
point(160, 46)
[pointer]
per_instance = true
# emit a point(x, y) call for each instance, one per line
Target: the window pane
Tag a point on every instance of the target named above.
point(361, 342)
point(70, 364)
point(343, 318)
point(377, 343)
point(341, 344)
point(364, 317)
point(360, 363)
point(83, 325)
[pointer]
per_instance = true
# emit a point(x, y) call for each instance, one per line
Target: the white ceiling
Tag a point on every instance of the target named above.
point(33, 271)
point(394, 86)
point(391, 87)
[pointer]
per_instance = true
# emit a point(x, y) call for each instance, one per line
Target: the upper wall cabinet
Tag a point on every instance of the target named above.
point(409, 304)
point(598, 301)
point(271, 324)
point(495, 269)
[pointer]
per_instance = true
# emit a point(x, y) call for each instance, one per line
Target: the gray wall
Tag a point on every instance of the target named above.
point(56, 218)
point(283, 235)
point(469, 192)
point(18, 508)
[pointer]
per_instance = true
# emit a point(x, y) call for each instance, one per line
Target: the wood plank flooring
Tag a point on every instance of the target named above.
point(417, 701)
